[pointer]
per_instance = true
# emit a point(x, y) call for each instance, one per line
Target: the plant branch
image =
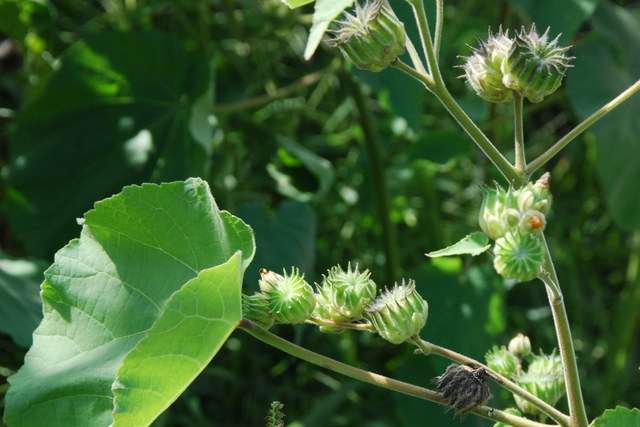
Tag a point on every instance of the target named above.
point(379, 172)
point(518, 133)
point(373, 378)
point(577, 410)
point(427, 348)
point(359, 326)
point(425, 36)
point(573, 133)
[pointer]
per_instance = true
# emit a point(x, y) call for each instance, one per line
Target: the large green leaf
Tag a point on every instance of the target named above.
point(151, 281)
point(20, 305)
point(619, 417)
point(603, 69)
point(325, 12)
point(120, 109)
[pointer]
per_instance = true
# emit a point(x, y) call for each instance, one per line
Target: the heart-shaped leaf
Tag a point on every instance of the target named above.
point(152, 281)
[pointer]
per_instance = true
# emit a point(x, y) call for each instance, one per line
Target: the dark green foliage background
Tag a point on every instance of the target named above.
point(223, 90)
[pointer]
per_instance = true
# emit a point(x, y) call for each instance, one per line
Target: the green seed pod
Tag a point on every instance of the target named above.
point(518, 255)
point(325, 310)
point(350, 291)
point(535, 196)
point(373, 38)
point(545, 379)
point(482, 69)
point(536, 66)
point(256, 308)
point(398, 313)
point(498, 213)
point(291, 299)
point(520, 346)
point(500, 360)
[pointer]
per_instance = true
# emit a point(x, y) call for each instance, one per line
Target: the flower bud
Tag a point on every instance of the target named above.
point(291, 298)
point(498, 213)
point(268, 279)
point(502, 361)
point(536, 66)
point(398, 313)
point(520, 346)
point(256, 308)
point(373, 38)
point(532, 221)
point(482, 69)
point(545, 379)
point(535, 196)
point(518, 255)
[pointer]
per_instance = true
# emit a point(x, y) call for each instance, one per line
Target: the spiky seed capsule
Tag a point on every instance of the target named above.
point(463, 388)
point(535, 66)
point(325, 310)
point(256, 308)
point(373, 38)
point(291, 299)
point(518, 255)
point(482, 69)
point(351, 291)
point(545, 379)
point(399, 313)
point(498, 213)
point(520, 346)
point(500, 360)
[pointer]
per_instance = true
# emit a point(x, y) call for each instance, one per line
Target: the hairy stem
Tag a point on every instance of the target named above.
point(439, 20)
point(577, 410)
point(573, 133)
point(427, 348)
point(379, 172)
point(373, 378)
point(518, 133)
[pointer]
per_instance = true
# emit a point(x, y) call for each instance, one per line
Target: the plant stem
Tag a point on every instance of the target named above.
point(373, 378)
point(573, 133)
point(518, 133)
point(577, 410)
point(427, 348)
point(379, 173)
point(358, 326)
point(439, 19)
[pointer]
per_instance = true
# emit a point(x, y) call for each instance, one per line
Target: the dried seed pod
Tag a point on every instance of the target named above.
point(463, 388)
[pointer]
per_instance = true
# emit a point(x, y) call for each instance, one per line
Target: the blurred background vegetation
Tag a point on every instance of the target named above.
point(328, 164)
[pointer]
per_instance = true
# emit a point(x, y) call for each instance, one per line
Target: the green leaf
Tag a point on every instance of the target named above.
point(473, 244)
point(296, 3)
point(120, 109)
point(325, 12)
point(195, 323)
point(619, 417)
point(20, 304)
point(145, 258)
point(607, 69)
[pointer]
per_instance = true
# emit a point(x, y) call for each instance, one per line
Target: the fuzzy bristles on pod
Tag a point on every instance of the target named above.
point(373, 38)
point(536, 66)
point(544, 379)
point(256, 308)
point(291, 299)
point(519, 255)
point(399, 313)
point(502, 361)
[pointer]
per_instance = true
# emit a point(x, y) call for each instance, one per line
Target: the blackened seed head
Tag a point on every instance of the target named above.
point(463, 388)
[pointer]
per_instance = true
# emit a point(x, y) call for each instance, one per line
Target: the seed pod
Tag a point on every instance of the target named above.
point(291, 298)
point(256, 308)
point(518, 255)
point(536, 66)
point(373, 38)
point(350, 291)
point(325, 310)
point(498, 213)
point(545, 379)
point(398, 313)
point(500, 360)
point(463, 388)
point(520, 346)
point(482, 69)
